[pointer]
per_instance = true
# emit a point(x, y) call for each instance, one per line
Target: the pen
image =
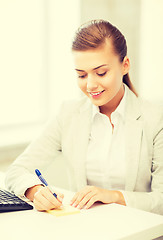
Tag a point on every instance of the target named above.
point(39, 175)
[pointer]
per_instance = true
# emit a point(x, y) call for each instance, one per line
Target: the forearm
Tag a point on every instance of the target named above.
point(147, 201)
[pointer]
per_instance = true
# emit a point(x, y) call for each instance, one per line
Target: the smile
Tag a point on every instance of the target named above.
point(96, 94)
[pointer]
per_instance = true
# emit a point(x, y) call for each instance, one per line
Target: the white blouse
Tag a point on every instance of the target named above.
point(105, 164)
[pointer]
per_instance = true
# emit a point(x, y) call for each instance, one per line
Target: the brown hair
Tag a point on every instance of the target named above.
point(94, 34)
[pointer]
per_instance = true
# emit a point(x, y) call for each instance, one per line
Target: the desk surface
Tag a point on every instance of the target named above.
point(110, 221)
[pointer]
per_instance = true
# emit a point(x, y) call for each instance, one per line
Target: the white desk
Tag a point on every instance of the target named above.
point(101, 222)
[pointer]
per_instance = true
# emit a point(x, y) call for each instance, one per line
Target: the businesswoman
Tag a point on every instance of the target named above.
point(111, 139)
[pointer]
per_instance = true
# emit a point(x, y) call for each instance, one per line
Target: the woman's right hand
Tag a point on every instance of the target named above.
point(43, 198)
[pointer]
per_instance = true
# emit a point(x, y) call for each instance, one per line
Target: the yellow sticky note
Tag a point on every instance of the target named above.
point(65, 210)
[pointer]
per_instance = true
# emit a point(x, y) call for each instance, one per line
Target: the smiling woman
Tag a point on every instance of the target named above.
point(106, 137)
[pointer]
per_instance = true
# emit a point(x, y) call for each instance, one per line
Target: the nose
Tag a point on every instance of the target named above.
point(91, 84)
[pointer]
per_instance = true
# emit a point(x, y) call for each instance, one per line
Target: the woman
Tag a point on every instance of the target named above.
point(111, 139)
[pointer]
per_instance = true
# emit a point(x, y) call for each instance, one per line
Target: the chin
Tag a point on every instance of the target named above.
point(98, 103)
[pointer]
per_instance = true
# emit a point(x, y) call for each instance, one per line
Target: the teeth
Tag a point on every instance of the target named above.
point(94, 94)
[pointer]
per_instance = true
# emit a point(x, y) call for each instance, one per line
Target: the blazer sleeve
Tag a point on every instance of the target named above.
point(151, 201)
point(43, 150)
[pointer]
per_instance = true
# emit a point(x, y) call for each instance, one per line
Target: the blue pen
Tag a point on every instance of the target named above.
point(43, 180)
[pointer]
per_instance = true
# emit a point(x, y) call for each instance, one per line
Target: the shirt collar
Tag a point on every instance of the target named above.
point(120, 110)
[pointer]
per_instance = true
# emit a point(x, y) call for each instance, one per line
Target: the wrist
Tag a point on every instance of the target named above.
point(30, 192)
point(119, 198)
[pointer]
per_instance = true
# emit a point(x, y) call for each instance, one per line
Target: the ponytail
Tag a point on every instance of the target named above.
point(127, 81)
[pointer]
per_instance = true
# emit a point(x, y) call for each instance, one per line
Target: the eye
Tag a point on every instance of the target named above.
point(82, 76)
point(101, 74)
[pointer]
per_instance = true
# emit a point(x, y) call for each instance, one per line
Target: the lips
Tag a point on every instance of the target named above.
point(96, 94)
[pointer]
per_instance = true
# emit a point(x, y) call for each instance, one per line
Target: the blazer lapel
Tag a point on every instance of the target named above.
point(133, 144)
point(133, 131)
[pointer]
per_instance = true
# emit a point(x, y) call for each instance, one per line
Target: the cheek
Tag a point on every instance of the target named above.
point(113, 81)
point(82, 85)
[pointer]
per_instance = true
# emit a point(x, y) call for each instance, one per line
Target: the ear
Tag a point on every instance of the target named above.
point(125, 65)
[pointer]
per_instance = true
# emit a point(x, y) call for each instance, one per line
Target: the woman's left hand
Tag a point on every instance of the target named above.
point(91, 194)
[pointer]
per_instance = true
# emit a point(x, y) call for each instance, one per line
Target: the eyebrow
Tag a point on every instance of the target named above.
point(93, 68)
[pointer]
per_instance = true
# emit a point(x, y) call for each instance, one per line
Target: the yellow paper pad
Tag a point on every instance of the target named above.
point(65, 210)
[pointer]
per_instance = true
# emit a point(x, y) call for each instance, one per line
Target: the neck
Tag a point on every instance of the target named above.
point(110, 107)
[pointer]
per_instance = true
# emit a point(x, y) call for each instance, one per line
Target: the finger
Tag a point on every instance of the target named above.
point(81, 195)
point(85, 199)
point(91, 202)
point(77, 194)
point(51, 198)
point(39, 206)
point(60, 197)
point(78, 199)
point(74, 198)
point(42, 203)
point(46, 198)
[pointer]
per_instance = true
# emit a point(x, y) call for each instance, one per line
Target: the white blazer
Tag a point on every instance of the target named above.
point(68, 135)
